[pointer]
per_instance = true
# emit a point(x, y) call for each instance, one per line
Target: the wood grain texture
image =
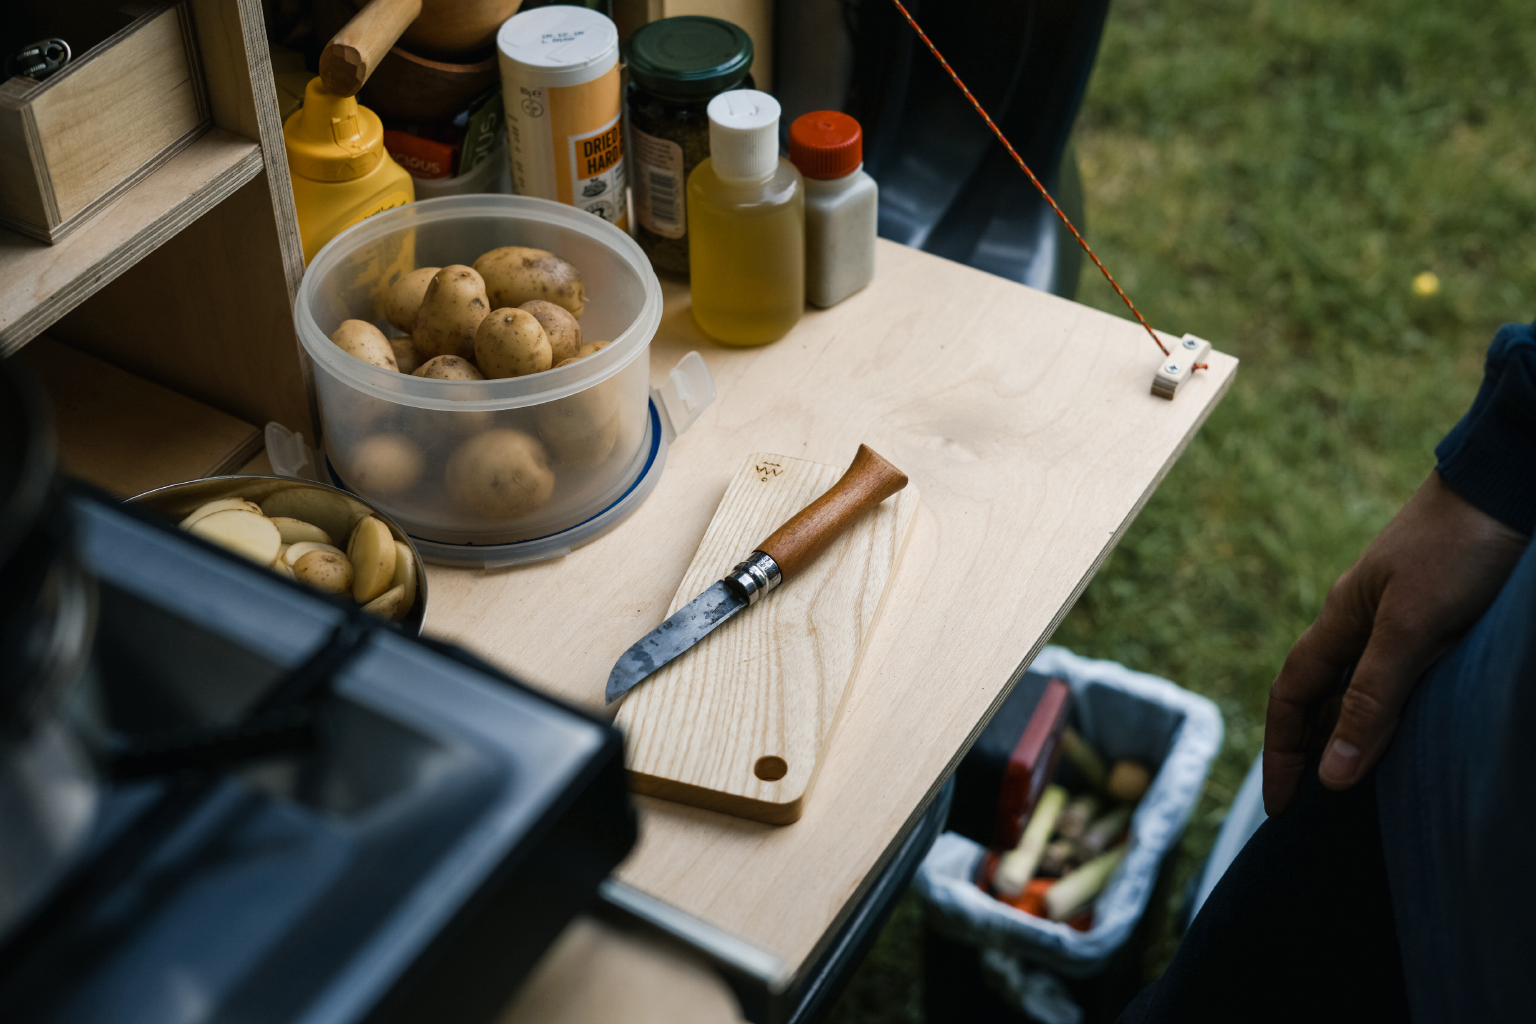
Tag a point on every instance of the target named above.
point(39, 283)
point(868, 481)
point(1028, 424)
point(598, 974)
point(739, 723)
point(127, 435)
point(231, 35)
point(207, 314)
point(105, 122)
point(354, 53)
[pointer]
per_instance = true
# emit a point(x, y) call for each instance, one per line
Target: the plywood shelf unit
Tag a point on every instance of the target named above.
point(39, 283)
point(187, 278)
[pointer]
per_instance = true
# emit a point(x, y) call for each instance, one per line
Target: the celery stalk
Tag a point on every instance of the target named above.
point(1018, 865)
point(1078, 889)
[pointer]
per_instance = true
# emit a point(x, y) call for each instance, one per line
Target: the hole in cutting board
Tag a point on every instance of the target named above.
point(771, 768)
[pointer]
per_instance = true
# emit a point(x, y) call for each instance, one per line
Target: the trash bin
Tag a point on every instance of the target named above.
point(1123, 714)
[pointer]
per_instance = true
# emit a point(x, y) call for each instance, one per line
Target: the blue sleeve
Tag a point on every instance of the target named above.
point(1489, 458)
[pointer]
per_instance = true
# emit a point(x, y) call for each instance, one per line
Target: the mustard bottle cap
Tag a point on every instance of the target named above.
point(331, 137)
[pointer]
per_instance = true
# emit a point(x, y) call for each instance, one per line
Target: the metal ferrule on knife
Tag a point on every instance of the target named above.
point(755, 577)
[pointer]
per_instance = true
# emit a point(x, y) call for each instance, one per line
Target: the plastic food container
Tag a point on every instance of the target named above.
point(585, 440)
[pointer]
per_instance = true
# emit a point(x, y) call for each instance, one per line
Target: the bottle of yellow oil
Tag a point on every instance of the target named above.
point(339, 168)
point(746, 226)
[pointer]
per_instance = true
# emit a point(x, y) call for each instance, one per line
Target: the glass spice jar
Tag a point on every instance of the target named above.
point(676, 66)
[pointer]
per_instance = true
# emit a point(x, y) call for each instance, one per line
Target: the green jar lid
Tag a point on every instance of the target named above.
point(690, 57)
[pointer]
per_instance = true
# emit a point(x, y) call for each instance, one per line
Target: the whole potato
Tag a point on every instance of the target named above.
point(500, 474)
point(448, 368)
point(384, 464)
point(591, 348)
point(405, 354)
point(514, 274)
point(361, 339)
point(559, 325)
point(452, 308)
point(404, 297)
point(511, 343)
point(581, 429)
point(326, 571)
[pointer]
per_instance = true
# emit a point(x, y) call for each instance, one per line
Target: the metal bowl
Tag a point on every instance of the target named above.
point(178, 501)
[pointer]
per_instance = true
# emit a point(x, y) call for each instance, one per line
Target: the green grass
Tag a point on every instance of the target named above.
point(1272, 175)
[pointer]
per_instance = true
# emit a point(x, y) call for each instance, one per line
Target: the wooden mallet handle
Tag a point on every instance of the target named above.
point(355, 52)
point(868, 482)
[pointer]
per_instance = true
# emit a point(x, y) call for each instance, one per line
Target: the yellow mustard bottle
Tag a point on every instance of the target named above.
point(746, 226)
point(340, 170)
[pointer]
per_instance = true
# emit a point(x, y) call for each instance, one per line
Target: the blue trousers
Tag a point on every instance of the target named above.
point(1409, 896)
point(1456, 795)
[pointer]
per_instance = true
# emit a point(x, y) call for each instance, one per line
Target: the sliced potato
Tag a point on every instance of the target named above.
point(405, 576)
point(328, 571)
point(221, 505)
point(294, 530)
point(304, 547)
point(373, 561)
point(387, 604)
point(333, 512)
point(281, 567)
point(250, 534)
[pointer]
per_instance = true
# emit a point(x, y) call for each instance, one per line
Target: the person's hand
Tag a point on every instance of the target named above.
point(1420, 584)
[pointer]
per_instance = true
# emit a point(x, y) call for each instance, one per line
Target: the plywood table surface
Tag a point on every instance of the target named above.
point(1027, 423)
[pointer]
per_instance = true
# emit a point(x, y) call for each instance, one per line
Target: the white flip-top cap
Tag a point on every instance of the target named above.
point(744, 134)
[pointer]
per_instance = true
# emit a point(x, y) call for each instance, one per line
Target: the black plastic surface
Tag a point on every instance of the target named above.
point(412, 866)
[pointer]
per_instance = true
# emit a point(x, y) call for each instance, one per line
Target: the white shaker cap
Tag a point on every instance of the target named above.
point(744, 134)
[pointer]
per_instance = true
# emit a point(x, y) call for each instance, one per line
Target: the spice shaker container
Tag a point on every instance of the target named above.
point(560, 86)
point(746, 226)
point(841, 205)
point(676, 66)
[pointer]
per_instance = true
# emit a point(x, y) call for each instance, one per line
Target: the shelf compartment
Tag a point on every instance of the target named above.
point(39, 283)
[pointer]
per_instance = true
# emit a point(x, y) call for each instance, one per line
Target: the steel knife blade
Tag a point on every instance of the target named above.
point(868, 481)
point(683, 628)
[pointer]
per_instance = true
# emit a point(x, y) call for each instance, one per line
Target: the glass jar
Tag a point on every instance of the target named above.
point(676, 66)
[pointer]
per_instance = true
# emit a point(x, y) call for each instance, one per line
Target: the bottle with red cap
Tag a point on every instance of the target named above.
point(841, 203)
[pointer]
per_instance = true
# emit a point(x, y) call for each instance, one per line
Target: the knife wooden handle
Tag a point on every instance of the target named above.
point(868, 481)
point(354, 53)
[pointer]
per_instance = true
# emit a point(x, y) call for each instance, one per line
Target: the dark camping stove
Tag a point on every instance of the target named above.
point(300, 813)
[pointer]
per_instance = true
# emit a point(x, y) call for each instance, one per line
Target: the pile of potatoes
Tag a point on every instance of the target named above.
point(377, 571)
point(515, 312)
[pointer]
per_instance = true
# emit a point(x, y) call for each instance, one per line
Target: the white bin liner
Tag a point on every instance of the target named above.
point(1122, 714)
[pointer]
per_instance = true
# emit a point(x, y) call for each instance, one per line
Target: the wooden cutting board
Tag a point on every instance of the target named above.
point(740, 723)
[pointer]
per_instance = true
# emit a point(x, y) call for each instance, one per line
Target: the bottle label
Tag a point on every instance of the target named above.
point(567, 144)
point(659, 185)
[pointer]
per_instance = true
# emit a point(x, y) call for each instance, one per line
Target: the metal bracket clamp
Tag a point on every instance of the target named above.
point(1179, 365)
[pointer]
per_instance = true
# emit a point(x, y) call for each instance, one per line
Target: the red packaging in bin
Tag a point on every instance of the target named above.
point(1003, 775)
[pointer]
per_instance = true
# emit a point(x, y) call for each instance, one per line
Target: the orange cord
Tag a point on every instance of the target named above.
point(1025, 168)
